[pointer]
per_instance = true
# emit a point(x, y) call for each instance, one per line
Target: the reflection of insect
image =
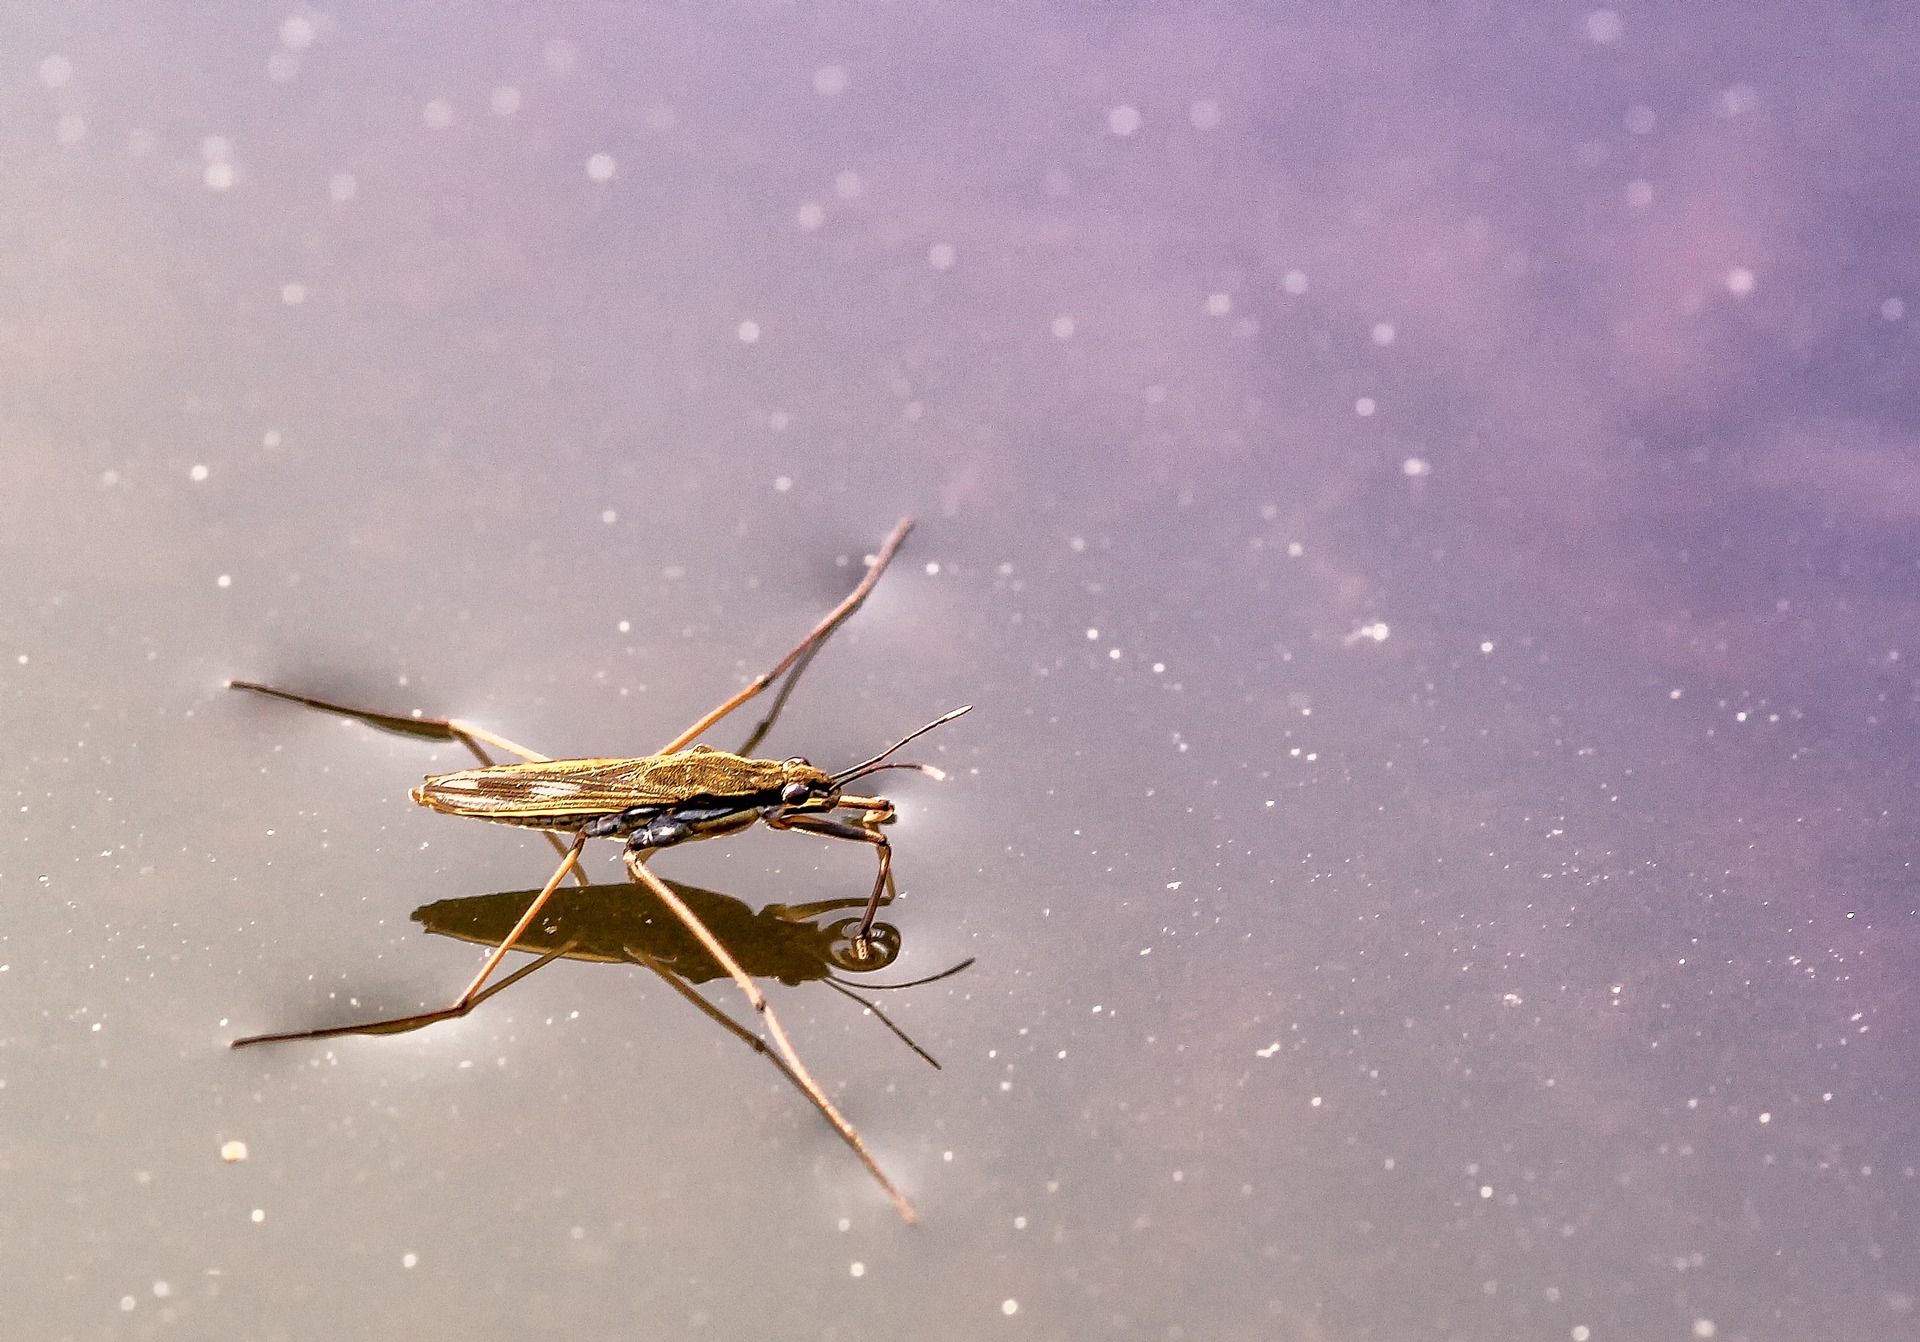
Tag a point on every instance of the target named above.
point(622, 924)
point(684, 792)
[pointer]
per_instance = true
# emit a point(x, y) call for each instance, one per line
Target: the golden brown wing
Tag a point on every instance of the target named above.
point(571, 789)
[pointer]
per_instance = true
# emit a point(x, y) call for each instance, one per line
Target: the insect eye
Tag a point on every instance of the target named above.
point(795, 793)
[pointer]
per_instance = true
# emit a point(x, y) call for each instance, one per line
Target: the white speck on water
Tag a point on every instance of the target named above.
point(1295, 282)
point(1113, 654)
point(1171, 885)
point(197, 474)
point(848, 185)
point(810, 216)
point(224, 580)
point(1604, 27)
point(1092, 634)
point(1124, 120)
point(1893, 309)
point(271, 438)
point(438, 114)
point(748, 332)
point(1315, 1102)
point(218, 176)
point(293, 293)
point(409, 1260)
point(609, 516)
point(625, 626)
point(830, 81)
point(1009, 1306)
point(1204, 114)
point(1704, 1328)
point(343, 187)
point(942, 255)
point(856, 1269)
point(779, 421)
point(1268, 1051)
point(933, 570)
point(1486, 646)
point(1581, 1332)
point(1364, 406)
point(162, 1289)
point(845, 1225)
point(127, 1303)
point(1062, 328)
point(1766, 1118)
point(1740, 281)
point(1219, 305)
point(233, 1151)
point(259, 1215)
point(601, 167)
point(782, 483)
point(1077, 544)
point(1019, 1223)
point(1295, 549)
point(1383, 333)
point(1416, 467)
point(947, 1156)
point(1159, 668)
point(505, 100)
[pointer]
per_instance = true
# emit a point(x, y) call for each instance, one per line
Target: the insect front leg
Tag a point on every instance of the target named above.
point(877, 812)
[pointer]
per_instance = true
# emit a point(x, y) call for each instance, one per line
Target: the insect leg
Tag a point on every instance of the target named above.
point(864, 831)
point(468, 999)
point(636, 863)
point(431, 729)
point(833, 620)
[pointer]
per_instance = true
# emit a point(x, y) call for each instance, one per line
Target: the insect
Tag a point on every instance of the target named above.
point(683, 793)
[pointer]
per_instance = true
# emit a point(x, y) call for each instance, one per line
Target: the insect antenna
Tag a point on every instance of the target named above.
point(881, 1016)
point(873, 765)
point(910, 983)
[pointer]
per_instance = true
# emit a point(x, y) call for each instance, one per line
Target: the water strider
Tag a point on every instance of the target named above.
point(683, 793)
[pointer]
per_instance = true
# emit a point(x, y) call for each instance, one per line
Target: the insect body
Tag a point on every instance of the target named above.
point(662, 800)
point(683, 793)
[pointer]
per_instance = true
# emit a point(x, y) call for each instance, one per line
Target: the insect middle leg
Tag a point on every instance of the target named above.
point(802, 652)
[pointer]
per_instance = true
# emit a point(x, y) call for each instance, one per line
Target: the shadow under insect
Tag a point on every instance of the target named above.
point(623, 922)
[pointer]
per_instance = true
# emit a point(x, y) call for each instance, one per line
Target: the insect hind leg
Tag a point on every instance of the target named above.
point(430, 729)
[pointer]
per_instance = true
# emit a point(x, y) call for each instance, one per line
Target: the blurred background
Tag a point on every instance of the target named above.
point(1423, 497)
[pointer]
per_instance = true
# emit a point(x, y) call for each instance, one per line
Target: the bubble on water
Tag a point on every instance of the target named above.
point(1205, 114)
point(601, 167)
point(748, 332)
point(343, 187)
point(1124, 120)
point(942, 255)
point(1219, 305)
point(504, 100)
point(1295, 282)
point(56, 71)
point(848, 185)
point(830, 81)
point(1740, 281)
point(1604, 27)
point(297, 32)
point(810, 216)
point(1062, 328)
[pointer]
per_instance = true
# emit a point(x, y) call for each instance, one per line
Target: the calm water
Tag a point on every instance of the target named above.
point(1424, 501)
